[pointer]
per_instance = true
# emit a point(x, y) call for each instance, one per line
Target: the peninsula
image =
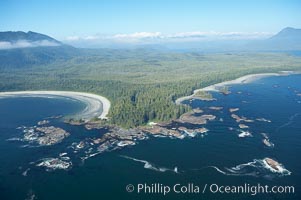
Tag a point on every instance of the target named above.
point(219, 87)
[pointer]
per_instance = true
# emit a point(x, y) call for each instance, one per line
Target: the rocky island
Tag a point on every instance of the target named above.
point(193, 118)
point(215, 107)
point(276, 166)
point(44, 136)
point(233, 110)
point(203, 95)
point(239, 119)
point(54, 163)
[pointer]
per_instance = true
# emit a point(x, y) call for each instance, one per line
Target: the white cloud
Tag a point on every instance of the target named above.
point(26, 44)
point(193, 34)
point(91, 37)
point(219, 35)
point(138, 35)
point(158, 37)
point(73, 38)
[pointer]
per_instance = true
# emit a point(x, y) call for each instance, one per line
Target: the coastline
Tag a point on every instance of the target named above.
point(241, 80)
point(97, 106)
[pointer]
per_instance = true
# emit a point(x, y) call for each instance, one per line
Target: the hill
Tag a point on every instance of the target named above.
point(21, 49)
point(15, 36)
point(288, 39)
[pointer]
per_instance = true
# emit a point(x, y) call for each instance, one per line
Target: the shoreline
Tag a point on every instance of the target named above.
point(241, 80)
point(97, 106)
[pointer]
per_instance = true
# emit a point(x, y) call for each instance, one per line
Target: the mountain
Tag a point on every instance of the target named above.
point(288, 39)
point(13, 37)
point(21, 49)
point(288, 34)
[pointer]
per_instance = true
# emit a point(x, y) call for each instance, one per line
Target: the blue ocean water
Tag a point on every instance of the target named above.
point(220, 157)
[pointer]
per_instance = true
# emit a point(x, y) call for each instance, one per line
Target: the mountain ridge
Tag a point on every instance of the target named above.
point(13, 36)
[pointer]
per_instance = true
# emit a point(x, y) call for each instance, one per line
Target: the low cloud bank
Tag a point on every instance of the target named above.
point(27, 44)
point(156, 36)
point(142, 38)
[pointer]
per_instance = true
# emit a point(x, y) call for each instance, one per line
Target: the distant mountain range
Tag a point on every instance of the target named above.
point(20, 49)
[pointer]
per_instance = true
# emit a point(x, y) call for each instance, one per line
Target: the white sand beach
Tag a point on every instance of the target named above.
point(241, 80)
point(97, 106)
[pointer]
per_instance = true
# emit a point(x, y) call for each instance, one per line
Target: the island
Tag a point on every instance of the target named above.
point(192, 118)
point(44, 136)
point(54, 163)
point(273, 164)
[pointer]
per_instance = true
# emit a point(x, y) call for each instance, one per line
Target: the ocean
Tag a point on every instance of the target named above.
point(218, 158)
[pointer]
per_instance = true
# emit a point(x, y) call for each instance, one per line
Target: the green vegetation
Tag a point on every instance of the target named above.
point(224, 90)
point(142, 84)
point(204, 95)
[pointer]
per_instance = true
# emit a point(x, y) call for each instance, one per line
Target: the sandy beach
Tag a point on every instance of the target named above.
point(97, 106)
point(241, 80)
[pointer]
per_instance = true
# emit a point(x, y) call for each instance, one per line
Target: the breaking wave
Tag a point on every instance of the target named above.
point(290, 121)
point(151, 166)
point(256, 168)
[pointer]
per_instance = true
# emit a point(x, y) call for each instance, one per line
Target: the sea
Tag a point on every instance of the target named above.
point(202, 167)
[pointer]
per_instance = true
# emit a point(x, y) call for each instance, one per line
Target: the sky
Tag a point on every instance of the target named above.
point(134, 20)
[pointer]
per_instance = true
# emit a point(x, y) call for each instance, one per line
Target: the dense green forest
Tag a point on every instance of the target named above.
point(141, 84)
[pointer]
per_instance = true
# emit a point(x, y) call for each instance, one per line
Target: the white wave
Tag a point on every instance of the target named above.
point(63, 154)
point(290, 121)
point(148, 165)
point(89, 156)
point(213, 167)
point(25, 172)
point(256, 168)
point(31, 195)
point(245, 134)
point(14, 139)
point(219, 170)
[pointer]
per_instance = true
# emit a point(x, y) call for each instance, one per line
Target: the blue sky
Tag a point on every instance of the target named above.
point(87, 18)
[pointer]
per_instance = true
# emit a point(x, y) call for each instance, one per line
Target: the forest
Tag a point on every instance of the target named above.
point(142, 84)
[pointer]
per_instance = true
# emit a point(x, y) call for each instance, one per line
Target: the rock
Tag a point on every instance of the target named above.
point(44, 136)
point(239, 119)
point(245, 134)
point(51, 135)
point(43, 122)
point(263, 120)
point(197, 110)
point(125, 143)
point(233, 110)
point(273, 163)
point(267, 143)
point(215, 108)
point(202, 130)
point(243, 126)
point(54, 163)
point(192, 119)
